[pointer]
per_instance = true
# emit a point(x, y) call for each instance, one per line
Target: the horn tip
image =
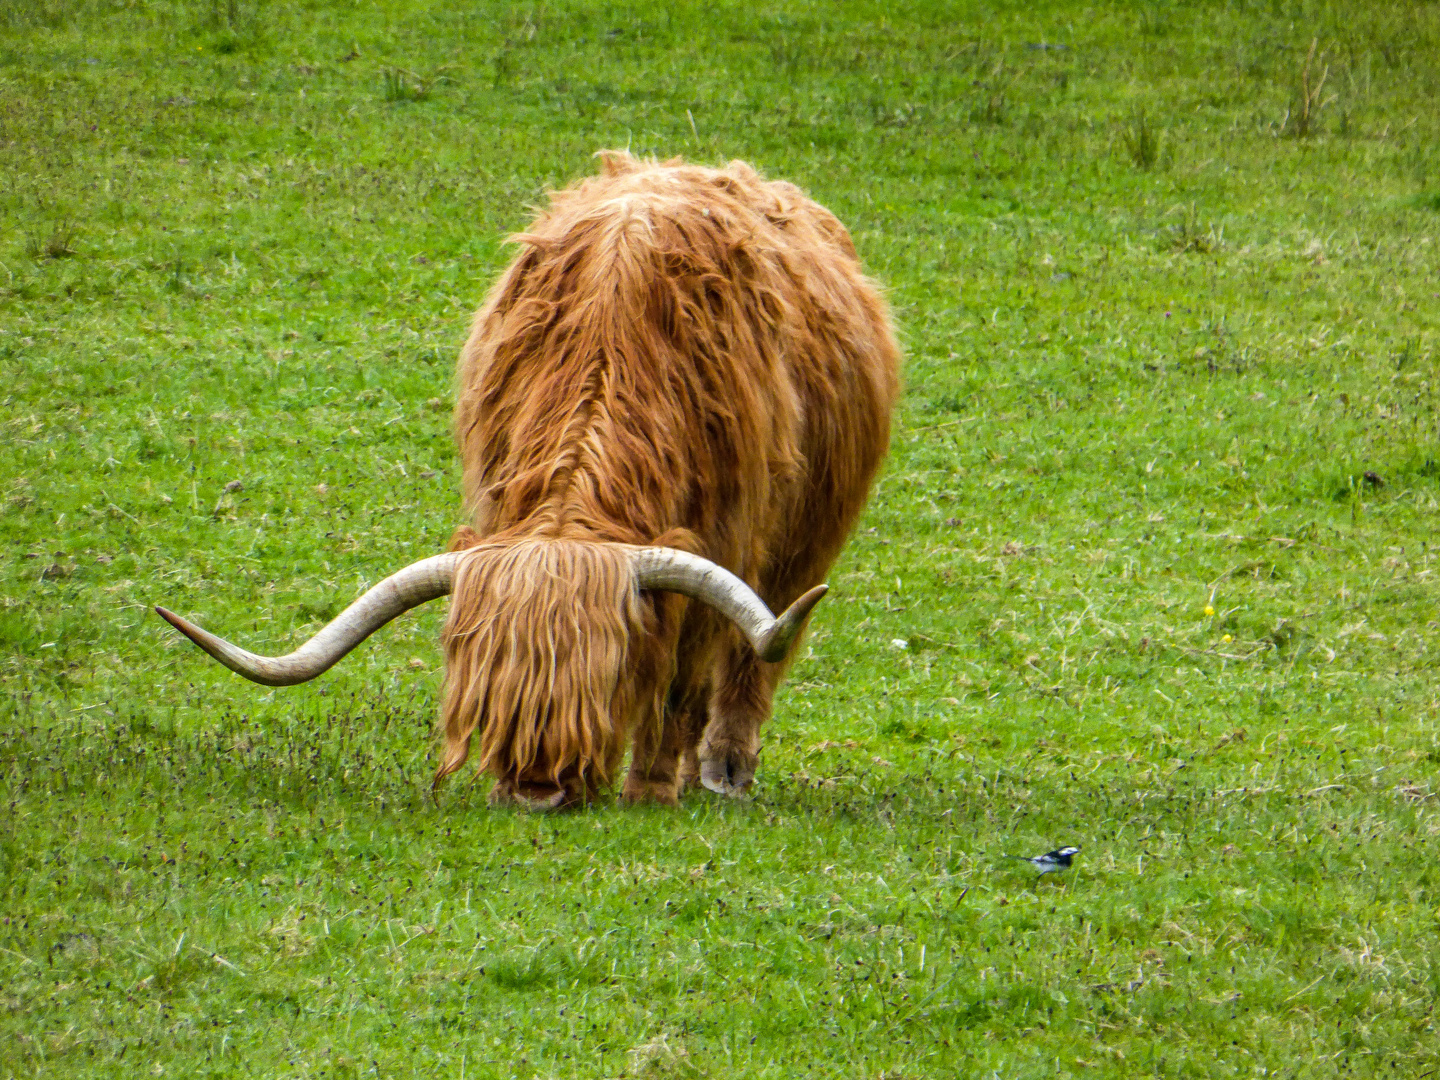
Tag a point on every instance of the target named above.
point(806, 603)
point(784, 630)
point(189, 629)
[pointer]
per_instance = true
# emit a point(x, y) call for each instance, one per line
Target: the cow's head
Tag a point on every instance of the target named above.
point(549, 659)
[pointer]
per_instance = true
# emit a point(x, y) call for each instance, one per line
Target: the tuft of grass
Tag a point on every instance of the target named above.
point(402, 85)
point(991, 102)
point(230, 14)
point(1191, 235)
point(1308, 102)
point(175, 280)
point(58, 243)
point(1155, 18)
point(502, 66)
point(1142, 140)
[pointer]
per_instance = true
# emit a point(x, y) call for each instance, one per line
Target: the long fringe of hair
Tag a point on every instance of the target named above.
point(537, 646)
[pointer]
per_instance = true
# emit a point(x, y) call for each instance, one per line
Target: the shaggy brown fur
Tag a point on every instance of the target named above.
point(681, 356)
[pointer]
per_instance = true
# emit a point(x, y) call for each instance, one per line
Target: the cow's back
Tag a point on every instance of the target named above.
point(679, 347)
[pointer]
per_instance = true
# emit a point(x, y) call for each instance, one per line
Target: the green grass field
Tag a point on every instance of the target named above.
point(1152, 568)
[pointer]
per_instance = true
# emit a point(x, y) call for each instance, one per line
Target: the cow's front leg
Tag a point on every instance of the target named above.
point(692, 726)
point(654, 764)
point(730, 748)
point(660, 736)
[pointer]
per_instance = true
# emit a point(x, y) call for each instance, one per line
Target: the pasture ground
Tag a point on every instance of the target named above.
point(1152, 569)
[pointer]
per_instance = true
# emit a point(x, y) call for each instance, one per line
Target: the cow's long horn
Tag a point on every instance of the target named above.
point(700, 579)
point(425, 580)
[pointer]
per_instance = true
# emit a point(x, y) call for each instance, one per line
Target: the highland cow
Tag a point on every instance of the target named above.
point(670, 411)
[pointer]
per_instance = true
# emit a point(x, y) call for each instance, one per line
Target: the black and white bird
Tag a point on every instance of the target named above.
point(1059, 859)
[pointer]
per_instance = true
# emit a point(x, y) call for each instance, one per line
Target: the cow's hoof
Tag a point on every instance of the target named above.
point(728, 772)
point(659, 792)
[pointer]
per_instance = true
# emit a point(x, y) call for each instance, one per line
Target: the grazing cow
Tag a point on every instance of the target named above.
point(679, 390)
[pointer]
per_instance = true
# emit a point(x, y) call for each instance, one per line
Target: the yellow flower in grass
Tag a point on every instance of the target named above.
point(1209, 610)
